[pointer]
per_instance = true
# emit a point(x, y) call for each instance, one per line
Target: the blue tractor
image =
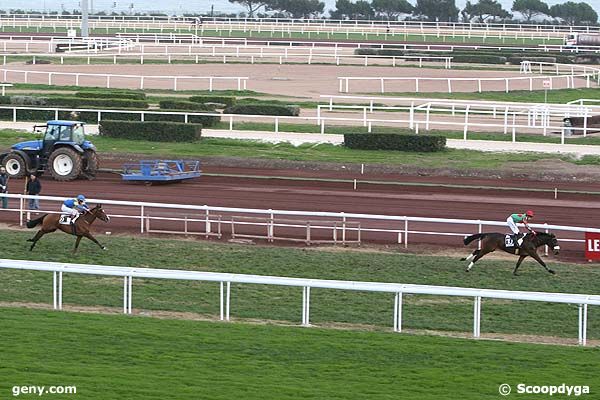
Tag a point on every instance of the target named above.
point(63, 150)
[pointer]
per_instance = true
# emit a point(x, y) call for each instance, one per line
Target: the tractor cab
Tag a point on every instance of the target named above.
point(62, 149)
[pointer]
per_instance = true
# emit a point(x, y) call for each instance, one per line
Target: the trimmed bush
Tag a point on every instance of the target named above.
point(112, 95)
point(227, 100)
point(392, 141)
point(479, 59)
point(28, 101)
point(74, 102)
point(5, 99)
point(264, 109)
point(184, 105)
point(151, 131)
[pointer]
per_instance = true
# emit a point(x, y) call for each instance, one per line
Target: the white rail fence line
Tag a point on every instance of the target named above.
point(192, 40)
point(539, 118)
point(237, 55)
point(225, 280)
point(274, 29)
point(509, 122)
point(466, 26)
point(140, 80)
point(477, 83)
point(210, 215)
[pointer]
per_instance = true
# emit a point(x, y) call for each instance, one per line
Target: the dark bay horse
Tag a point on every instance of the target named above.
point(50, 223)
point(494, 241)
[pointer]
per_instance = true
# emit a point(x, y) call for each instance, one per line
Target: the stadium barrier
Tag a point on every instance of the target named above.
point(225, 280)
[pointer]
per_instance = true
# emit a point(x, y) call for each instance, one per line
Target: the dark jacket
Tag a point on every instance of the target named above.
point(34, 187)
point(3, 182)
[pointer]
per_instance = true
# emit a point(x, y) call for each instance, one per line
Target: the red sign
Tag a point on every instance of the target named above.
point(592, 246)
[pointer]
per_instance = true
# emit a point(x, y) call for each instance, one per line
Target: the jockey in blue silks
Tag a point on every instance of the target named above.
point(74, 207)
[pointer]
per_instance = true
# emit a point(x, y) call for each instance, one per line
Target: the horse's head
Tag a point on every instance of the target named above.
point(99, 213)
point(552, 241)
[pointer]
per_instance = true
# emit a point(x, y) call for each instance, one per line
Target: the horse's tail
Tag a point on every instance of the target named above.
point(469, 239)
point(35, 222)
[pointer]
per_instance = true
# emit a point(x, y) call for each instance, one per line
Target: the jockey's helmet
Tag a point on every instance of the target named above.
point(529, 213)
point(80, 198)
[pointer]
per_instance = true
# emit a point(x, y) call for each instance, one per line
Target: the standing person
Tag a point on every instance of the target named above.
point(34, 187)
point(524, 219)
point(4, 186)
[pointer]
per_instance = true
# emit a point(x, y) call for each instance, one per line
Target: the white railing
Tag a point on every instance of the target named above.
point(415, 117)
point(281, 29)
point(427, 113)
point(421, 25)
point(225, 280)
point(588, 74)
point(281, 57)
point(140, 81)
point(398, 227)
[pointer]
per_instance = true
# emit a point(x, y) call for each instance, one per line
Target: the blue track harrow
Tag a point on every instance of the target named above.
point(154, 171)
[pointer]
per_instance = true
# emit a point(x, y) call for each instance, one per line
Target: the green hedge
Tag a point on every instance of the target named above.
point(264, 109)
point(392, 141)
point(204, 120)
point(75, 102)
point(151, 131)
point(227, 100)
point(516, 60)
point(4, 99)
point(112, 95)
point(184, 105)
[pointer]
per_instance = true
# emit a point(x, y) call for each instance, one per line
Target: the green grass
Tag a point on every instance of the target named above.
point(216, 147)
point(111, 357)
point(284, 303)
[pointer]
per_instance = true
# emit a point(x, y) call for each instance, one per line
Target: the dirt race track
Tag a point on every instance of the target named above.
point(306, 81)
point(282, 194)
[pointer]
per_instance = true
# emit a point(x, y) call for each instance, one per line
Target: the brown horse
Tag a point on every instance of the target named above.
point(493, 241)
point(50, 223)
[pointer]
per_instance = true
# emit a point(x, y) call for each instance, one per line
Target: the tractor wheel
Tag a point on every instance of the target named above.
point(65, 164)
point(15, 165)
point(90, 164)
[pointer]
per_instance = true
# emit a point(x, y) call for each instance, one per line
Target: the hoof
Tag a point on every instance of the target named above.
point(30, 240)
point(104, 248)
point(552, 272)
point(463, 259)
point(467, 270)
point(515, 274)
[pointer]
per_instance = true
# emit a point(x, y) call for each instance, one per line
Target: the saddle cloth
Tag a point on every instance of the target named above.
point(65, 220)
point(508, 241)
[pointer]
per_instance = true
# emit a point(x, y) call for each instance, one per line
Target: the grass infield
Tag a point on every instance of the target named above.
point(118, 357)
point(284, 303)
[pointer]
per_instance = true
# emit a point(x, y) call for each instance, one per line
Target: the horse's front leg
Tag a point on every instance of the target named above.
point(93, 239)
point(518, 265)
point(536, 257)
point(77, 243)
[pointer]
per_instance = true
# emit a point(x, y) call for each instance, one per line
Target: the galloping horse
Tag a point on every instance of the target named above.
point(50, 223)
point(493, 241)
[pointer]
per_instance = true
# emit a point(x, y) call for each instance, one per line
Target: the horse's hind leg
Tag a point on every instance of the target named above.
point(471, 256)
point(480, 253)
point(37, 237)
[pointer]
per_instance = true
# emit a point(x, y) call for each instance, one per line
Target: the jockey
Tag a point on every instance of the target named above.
point(74, 207)
point(524, 219)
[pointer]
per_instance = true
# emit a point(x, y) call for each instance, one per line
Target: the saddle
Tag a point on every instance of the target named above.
point(65, 220)
point(511, 241)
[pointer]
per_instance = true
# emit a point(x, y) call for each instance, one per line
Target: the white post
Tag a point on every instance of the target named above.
point(477, 317)
point(227, 299)
point(398, 312)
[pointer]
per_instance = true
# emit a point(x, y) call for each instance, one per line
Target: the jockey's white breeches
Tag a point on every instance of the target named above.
point(512, 225)
point(70, 211)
